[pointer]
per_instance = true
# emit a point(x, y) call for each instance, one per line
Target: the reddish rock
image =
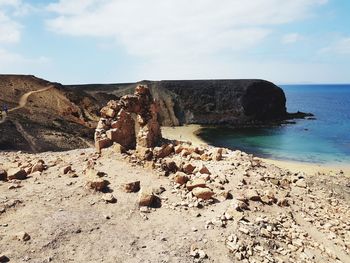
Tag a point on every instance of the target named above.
point(147, 198)
point(102, 143)
point(66, 169)
point(132, 187)
point(181, 178)
point(188, 168)
point(16, 173)
point(38, 167)
point(203, 193)
point(163, 151)
point(204, 170)
point(123, 124)
point(197, 182)
point(178, 148)
point(97, 183)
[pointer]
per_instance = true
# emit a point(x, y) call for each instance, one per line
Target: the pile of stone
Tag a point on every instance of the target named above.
point(131, 121)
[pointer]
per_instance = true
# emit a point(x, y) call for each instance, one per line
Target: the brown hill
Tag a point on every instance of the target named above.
point(44, 116)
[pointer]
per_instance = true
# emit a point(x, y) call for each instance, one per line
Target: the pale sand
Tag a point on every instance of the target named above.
point(188, 133)
point(183, 133)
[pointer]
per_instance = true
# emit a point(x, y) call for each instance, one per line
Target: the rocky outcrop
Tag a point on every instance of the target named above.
point(130, 121)
point(233, 102)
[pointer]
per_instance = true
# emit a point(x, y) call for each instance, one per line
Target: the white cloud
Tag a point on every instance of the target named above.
point(340, 46)
point(291, 38)
point(180, 37)
point(166, 26)
point(10, 35)
point(9, 30)
point(11, 62)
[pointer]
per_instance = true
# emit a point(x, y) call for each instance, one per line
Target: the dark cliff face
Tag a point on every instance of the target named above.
point(233, 102)
point(227, 101)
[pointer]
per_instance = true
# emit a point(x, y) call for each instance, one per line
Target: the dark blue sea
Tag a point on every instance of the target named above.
point(324, 140)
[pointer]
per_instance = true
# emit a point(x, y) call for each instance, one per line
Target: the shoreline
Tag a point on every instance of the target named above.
point(189, 133)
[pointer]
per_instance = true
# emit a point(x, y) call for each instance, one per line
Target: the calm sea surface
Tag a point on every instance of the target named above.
point(324, 140)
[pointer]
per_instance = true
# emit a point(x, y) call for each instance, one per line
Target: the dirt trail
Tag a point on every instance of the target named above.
point(23, 101)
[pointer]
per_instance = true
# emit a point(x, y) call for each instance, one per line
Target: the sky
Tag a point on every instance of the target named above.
point(112, 41)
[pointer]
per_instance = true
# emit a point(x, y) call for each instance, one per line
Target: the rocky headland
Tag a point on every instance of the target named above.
point(145, 198)
point(49, 116)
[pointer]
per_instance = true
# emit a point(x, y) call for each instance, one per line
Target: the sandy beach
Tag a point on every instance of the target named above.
point(183, 133)
point(188, 133)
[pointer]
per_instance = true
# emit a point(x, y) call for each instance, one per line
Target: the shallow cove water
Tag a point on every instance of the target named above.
point(324, 140)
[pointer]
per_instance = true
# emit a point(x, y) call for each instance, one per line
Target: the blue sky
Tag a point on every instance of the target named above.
point(104, 41)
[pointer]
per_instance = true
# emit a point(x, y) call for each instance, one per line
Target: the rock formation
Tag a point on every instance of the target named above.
point(131, 121)
point(234, 102)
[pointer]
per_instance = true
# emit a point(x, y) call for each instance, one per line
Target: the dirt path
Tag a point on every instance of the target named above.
point(23, 101)
point(30, 139)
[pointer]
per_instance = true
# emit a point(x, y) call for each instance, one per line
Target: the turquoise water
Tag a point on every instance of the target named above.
point(324, 140)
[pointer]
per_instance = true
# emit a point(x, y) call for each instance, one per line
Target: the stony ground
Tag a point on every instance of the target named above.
point(234, 208)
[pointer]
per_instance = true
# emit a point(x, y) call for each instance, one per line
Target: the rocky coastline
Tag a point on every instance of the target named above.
point(145, 198)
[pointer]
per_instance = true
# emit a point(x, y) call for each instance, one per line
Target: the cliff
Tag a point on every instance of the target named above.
point(49, 116)
point(233, 102)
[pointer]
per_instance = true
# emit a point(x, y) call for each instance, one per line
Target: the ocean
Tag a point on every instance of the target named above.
point(324, 140)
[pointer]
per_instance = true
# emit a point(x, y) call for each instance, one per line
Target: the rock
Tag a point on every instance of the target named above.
point(205, 157)
point(178, 149)
point(283, 202)
point(102, 143)
point(232, 213)
point(3, 175)
point(147, 198)
point(223, 195)
point(203, 193)
point(132, 187)
point(97, 183)
point(4, 258)
point(252, 195)
point(204, 170)
point(217, 154)
point(181, 178)
point(22, 236)
point(301, 183)
point(66, 169)
point(197, 182)
point(163, 151)
point(107, 112)
point(109, 198)
point(38, 167)
point(158, 190)
point(150, 134)
point(170, 166)
point(93, 173)
point(123, 124)
point(188, 168)
point(144, 153)
point(240, 206)
point(16, 173)
point(117, 148)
